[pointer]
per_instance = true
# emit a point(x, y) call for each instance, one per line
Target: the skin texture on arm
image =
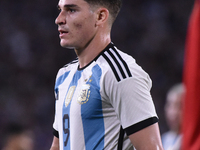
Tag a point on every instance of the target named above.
point(55, 144)
point(147, 139)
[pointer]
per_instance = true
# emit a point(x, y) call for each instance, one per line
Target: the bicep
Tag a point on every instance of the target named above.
point(55, 144)
point(147, 138)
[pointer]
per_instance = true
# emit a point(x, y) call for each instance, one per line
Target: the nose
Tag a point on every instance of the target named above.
point(60, 19)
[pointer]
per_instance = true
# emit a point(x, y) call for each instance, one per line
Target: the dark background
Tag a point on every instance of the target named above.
point(153, 32)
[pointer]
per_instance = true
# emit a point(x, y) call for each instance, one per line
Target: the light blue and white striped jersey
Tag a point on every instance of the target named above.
point(98, 106)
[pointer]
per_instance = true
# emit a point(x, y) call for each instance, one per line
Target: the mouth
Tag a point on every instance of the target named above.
point(62, 32)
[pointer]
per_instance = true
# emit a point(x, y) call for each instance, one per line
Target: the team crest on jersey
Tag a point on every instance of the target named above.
point(69, 95)
point(84, 94)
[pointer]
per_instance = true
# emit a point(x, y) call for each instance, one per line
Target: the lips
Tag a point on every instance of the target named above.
point(62, 32)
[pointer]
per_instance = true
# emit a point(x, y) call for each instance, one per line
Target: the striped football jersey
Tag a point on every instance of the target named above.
point(100, 105)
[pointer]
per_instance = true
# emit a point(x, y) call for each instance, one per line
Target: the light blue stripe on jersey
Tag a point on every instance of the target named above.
point(60, 80)
point(92, 114)
point(66, 113)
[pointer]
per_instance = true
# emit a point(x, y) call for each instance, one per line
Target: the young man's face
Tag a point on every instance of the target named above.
point(76, 23)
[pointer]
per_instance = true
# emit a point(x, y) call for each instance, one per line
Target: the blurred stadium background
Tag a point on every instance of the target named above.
point(152, 31)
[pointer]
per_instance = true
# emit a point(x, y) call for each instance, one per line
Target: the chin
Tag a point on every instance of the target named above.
point(66, 45)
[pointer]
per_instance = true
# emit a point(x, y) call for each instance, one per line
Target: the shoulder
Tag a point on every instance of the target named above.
point(113, 60)
point(75, 61)
point(68, 67)
point(120, 65)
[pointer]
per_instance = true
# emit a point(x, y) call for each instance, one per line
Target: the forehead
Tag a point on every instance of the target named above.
point(72, 2)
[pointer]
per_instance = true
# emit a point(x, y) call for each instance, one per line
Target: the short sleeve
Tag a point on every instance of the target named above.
point(132, 100)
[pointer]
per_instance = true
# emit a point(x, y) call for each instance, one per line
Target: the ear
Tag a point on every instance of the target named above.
point(102, 16)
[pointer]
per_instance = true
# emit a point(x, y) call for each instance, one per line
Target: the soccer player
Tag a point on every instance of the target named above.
point(103, 97)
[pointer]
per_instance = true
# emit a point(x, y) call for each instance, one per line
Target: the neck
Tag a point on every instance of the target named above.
point(92, 49)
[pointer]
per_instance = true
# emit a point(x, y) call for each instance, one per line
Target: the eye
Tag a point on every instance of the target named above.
point(71, 10)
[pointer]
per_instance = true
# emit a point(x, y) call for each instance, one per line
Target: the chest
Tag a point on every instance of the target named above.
point(80, 94)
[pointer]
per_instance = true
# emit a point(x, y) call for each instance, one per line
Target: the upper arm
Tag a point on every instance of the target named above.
point(147, 138)
point(55, 144)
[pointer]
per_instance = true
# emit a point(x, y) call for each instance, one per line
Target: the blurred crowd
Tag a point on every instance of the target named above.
point(153, 32)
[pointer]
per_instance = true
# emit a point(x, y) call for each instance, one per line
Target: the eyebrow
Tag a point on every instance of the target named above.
point(68, 6)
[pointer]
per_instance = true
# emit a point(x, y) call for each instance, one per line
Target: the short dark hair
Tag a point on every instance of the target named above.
point(113, 6)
